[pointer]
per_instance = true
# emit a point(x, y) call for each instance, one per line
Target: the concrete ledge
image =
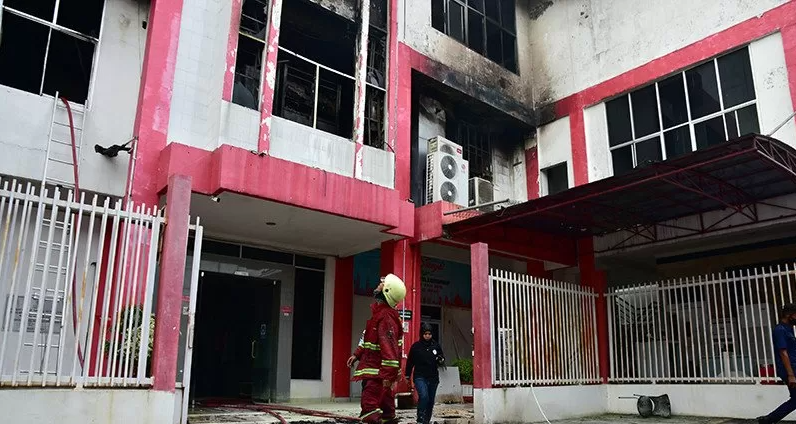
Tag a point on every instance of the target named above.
point(71, 406)
point(517, 404)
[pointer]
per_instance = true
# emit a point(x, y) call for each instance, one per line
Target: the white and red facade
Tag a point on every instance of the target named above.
point(345, 198)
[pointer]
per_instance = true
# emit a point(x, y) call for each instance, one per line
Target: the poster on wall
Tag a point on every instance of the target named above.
point(442, 282)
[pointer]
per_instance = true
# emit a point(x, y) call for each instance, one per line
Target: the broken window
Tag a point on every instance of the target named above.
point(376, 86)
point(556, 179)
point(476, 142)
point(52, 45)
point(315, 69)
point(706, 105)
point(485, 26)
point(249, 61)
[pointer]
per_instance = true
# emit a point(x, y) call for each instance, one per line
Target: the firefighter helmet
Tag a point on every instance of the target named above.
point(394, 290)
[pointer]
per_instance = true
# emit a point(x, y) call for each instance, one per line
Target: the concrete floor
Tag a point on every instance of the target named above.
point(443, 414)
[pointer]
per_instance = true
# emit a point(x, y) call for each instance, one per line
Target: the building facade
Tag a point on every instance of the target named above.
point(299, 132)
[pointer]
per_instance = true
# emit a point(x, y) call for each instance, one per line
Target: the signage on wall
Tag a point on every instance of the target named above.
point(287, 310)
point(406, 315)
point(442, 282)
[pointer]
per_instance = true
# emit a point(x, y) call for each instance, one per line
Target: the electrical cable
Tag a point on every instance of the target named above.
point(538, 405)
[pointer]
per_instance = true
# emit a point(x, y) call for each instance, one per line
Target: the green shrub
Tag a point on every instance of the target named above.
point(465, 370)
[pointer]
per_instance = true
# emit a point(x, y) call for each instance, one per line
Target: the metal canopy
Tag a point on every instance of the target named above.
point(736, 176)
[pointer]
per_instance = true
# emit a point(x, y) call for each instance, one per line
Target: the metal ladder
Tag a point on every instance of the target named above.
point(60, 170)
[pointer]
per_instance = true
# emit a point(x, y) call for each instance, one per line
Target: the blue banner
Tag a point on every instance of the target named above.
point(442, 282)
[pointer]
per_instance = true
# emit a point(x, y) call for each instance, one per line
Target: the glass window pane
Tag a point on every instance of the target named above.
point(24, 44)
point(438, 15)
point(507, 19)
point(68, 67)
point(645, 111)
point(44, 9)
point(494, 47)
point(622, 160)
point(294, 96)
point(703, 90)
point(456, 21)
point(648, 151)
point(475, 31)
point(735, 72)
point(747, 120)
point(254, 18)
point(673, 108)
point(732, 125)
point(710, 132)
point(509, 52)
point(618, 113)
point(477, 4)
point(378, 13)
point(248, 66)
point(557, 178)
point(83, 16)
point(678, 142)
point(492, 10)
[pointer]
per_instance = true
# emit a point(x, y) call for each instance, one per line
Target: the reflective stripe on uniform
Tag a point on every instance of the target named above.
point(375, 411)
point(366, 371)
point(389, 363)
point(370, 346)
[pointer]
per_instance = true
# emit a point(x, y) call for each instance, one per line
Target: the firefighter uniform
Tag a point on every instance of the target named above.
point(379, 355)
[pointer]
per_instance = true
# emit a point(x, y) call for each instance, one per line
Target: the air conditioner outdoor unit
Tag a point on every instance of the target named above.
point(481, 192)
point(446, 179)
point(442, 144)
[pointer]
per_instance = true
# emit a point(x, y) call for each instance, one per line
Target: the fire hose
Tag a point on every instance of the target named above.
point(274, 410)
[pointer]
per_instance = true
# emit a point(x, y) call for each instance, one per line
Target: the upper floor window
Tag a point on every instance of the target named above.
point(486, 26)
point(476, 142)
point(556, 179)
point(48, 46)
point(700, 107)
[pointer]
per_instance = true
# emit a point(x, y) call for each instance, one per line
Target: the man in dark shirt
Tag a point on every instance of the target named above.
point(785, 358)
point(425, 357)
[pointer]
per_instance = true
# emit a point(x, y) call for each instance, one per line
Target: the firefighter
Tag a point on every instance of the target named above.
point(379, 353)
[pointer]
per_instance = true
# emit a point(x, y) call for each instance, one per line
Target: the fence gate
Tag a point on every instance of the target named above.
point(190, 315)
point(77, 279)
point(544, 331)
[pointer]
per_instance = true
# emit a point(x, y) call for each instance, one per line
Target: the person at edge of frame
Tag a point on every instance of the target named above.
point(785, 347)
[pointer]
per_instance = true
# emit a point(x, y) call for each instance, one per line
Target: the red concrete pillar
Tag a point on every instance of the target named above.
point(532, 173)
point(341, 326)
point(170, 284)
point(592, 277)
point(482, 319)
point(403, 259)
point(154, 97)
point(536, 269)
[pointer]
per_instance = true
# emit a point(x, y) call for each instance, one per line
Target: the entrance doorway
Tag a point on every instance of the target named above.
point(236, 338)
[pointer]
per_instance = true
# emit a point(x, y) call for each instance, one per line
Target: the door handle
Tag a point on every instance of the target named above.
point(254, 352)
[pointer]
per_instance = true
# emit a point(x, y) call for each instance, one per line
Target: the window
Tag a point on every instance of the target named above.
point(476, 142)
point(315, 69)
point(249, 60)
point(51, 44)
point(486, 26)
point(376, 88)
point(700, 107)
point(556, 179)
point(307, 325)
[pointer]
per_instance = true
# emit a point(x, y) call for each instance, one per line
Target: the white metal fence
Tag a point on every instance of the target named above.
point(706, 329)
point(544, 331)
point(76, 289)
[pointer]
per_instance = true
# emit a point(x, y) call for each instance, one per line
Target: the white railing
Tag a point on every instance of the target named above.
point(705, 329)
point(76, 289)
point(544, 331)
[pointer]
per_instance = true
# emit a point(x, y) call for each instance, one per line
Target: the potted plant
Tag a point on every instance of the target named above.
point(129, 339)
point(466, 376)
